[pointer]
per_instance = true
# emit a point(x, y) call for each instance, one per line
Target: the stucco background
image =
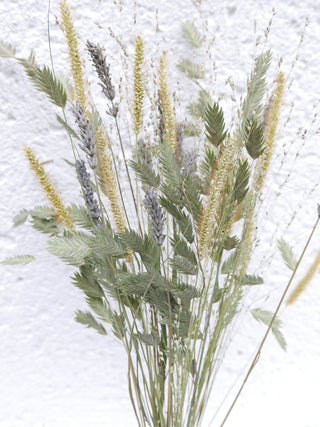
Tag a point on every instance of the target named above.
point(54, 372)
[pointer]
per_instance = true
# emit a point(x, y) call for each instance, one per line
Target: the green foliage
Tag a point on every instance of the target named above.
point(230, 242)
point(87, 319)
point(287, 254)
point(86, 281)
point(250, 279)
point(7, 50)
point(214, 123)
point(46, 226)
point(230, 263)
point(182, 248)
point(191, 69)
point(20, 218)
point(183, 220)
point(73, 249)
point(145, 173)
point(254, 140)
point(191, 34)
point(63, 123)
point(80, 216)
point(242, 180)
point(252, 107)
point(18, 260)
point(266, 317)
point(183, 265)
point(170, 168)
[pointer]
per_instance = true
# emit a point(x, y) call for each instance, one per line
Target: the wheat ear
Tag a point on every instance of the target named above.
point(138, 89)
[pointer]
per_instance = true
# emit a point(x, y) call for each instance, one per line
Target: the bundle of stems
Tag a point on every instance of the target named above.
point(166, 269)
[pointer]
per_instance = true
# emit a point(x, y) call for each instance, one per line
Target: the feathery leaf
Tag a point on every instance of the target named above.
point(287, 254)
point(7, 50)
point(18, 260)
point(191, 69)
point(87, 319)
point(191, 34)
point(266, 317)
point(214, 122)
point(72, 249)
point(254, 139)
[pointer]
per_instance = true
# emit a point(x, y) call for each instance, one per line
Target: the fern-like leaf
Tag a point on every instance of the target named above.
point(72, 249)
point(183, 249)
point(7, 50)
point(214, 123)
point(87, 319)
point(86, 281)
point(20, 218)
point(18, 260)
point(265, 317)
point(191, 69)
point(230, 242)
point(67, 127)
point(145, 173)
point(183, 265)
point(250, 279)
point(191, 34)
point(287, 254)
point(242, 180)
point(254, 140)
point(183, 220)
point(46, 226)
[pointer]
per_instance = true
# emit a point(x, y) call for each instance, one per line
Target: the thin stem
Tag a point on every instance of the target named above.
point(128, 174)
point(257, 355)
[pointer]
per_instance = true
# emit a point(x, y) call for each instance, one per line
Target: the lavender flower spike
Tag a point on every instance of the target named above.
point(189, 163)
point(99, 61)
point(87, 190)
point(87, 135)
point(156, 216)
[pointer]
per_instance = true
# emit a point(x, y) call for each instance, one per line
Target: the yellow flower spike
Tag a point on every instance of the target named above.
point(138, 89)
point(304, 281)
point(61, 212)
point(271, 122)
point(169, 123)
point(76, 64)
point(107, 179)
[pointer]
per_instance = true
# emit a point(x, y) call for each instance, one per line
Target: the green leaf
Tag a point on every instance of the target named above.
point(72, 249)
point(230, 242)
point(42, 212)
point(183, 220)
point(183, 265)
point(100, 308)
point(118, 325)
point(191, 130)
point(7, 50)
point(47, 226)
point(191, 69)
point(242, 180)
point(266, 317)
point(192, 199)
point(252, 107)
point(250, 279)
point(191, 34)
point(230, 263)
point(20, 218)
point(254, 139)
point(18, 260)
point(208, 166)
point(44, 81)
point(183, 249)
point(87, 319)
point(145, 173)
point(214, 123)
point(287, 254)
point(86, 281)
point(149, 339)
point(80, 216)
point(70, 131)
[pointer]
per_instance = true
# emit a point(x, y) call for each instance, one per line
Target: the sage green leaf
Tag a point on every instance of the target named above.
point(242, 180)
point(18, 260)
point(191, 69)
point(192, 197)
point(182, 248)
point(118, 325)
point(20, 218)
point(230, 263)
point(149, 339)
point(42, 212)
point(46, 226)
point(230, 242)
point(214, 123)
point(145, 173)
point(287, 254)
point(265, 317)
point(86, 281)
point(69, 129)
point(191, 34)
point(87, 319)
point(191, 129)
point(250, 279)
point(72, 249)
point(7, 50)
point(183, 265)
point(183, 220)
point(100, 308)
point(79, 215)
point(254, 139)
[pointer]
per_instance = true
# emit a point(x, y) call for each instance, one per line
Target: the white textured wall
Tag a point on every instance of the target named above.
point(55, 373)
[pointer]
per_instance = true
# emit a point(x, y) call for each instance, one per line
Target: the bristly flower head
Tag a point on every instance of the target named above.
point(99, 61)
point(84, 177)
point(87, 135)
point(156, 216)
